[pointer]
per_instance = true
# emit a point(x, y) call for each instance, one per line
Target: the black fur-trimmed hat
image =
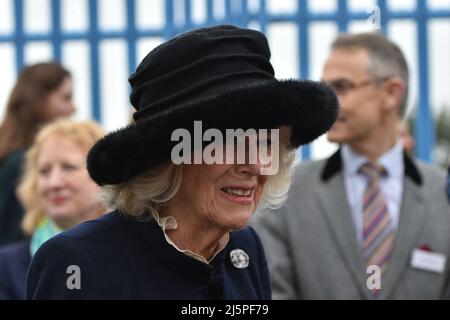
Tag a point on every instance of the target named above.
point(218, 75)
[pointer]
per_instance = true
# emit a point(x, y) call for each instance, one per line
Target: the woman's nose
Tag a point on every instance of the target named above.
point(56, 178)
point(249, 168)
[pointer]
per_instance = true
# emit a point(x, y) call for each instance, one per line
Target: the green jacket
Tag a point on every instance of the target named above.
point(11, 212)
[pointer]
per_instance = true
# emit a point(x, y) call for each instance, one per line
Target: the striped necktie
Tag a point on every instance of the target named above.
point(378, 234)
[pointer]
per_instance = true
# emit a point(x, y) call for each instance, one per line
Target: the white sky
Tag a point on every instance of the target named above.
point(150, 14)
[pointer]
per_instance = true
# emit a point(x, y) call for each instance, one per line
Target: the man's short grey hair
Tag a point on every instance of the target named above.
point(144, 195)
point(386, 58)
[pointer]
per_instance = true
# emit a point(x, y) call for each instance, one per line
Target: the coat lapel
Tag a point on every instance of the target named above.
point(412, 218)
point(334, 205)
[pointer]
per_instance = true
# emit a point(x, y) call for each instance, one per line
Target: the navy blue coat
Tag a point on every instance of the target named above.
point(120, 258)
point(14, 261)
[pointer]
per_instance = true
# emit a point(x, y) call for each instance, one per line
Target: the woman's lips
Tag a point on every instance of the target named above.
point(242, 197)
point(58, 200)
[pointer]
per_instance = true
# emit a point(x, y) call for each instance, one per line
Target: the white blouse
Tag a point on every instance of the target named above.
point(169, 223)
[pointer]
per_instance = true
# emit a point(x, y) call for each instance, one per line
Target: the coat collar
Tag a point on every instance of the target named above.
point(175, 260)
point(334, 165)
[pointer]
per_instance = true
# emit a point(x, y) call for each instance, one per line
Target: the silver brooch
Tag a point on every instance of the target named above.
point(239, 258)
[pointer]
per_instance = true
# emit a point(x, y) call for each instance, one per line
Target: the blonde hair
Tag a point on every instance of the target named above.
point(84, 134)
point(143, 196)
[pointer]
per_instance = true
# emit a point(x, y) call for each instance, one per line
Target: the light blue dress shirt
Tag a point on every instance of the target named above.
point(391, 185)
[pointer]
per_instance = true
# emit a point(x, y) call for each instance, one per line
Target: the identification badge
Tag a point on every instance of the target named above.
point(429, 261)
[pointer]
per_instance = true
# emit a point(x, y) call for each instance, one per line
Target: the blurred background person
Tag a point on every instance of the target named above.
point(42, 93)
point(57, 194)
point(353, 222)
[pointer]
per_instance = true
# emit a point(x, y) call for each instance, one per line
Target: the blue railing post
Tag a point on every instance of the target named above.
point(229, 15)
point(187, 15)
point(384, 15)
point(244, 13)
point(262, 16)
point(342, 16)
point(425, 134)
point(56, 29)
point(169, 29)
point(94, 54)
point(209, 12)
point(18, 34)
point(303, 49)
point(131, 35)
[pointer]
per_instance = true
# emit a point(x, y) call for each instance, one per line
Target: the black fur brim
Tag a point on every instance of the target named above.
point(309, 108)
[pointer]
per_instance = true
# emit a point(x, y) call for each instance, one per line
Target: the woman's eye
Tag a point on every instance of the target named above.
point(70, 167)
point(44, 171)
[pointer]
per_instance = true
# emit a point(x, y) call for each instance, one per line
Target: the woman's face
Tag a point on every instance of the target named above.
point(59, 102)
point(67, 193)
point(220, 195)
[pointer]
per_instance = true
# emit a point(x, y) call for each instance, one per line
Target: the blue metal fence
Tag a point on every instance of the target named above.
point(236, 12)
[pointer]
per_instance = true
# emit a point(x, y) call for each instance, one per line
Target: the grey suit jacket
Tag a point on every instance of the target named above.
point(311, 243)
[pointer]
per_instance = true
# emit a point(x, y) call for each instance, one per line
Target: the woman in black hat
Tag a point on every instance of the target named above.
point(178, 231)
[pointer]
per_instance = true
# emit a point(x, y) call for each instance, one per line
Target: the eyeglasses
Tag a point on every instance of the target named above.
point(343, 86)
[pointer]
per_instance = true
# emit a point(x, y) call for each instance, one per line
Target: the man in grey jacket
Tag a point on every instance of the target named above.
point(370, 222)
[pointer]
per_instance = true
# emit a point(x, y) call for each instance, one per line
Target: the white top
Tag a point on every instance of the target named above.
point(391, 185)
point(169, 223)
